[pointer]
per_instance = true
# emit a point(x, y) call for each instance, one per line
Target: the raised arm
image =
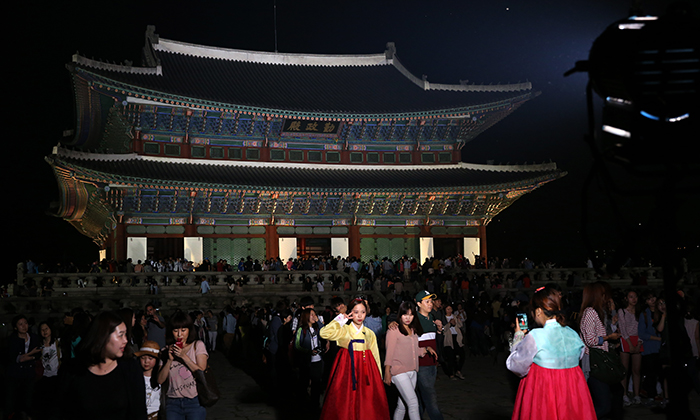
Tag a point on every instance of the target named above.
point(334, 330)
point(521, 356)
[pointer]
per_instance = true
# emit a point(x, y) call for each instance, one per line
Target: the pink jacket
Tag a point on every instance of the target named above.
point(402, 352)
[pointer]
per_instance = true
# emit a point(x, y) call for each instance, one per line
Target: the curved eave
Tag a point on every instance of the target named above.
point(91, 175)
point(137, 94)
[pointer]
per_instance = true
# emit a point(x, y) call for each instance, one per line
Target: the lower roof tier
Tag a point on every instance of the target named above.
point(162, 172)
point(98, 192)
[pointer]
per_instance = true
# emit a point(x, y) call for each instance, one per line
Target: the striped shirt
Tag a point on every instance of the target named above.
point(627, 323)
point(592, 329)
point(428, 338)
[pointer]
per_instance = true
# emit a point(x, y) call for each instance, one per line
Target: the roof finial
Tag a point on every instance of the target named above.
point(390, 50)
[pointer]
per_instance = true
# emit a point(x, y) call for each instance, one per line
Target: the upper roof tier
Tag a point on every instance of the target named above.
point(324, 84)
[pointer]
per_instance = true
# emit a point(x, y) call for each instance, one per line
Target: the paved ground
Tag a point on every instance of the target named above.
point(487, 394)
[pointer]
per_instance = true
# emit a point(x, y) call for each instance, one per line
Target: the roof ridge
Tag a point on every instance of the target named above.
point(507, 87)
point(263, 57)
point(424, 84)
point(121, 68)
point(63, 152)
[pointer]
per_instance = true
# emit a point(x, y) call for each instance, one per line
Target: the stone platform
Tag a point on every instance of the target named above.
point(487, 393)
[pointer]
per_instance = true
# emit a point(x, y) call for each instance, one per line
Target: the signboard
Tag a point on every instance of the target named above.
point(322, 128)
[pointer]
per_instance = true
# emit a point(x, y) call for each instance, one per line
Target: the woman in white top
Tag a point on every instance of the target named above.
point(150, 363)
point(47, 387)
point(50, 351)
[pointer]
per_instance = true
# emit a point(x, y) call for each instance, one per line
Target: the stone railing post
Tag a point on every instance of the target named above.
point(220, 279)
point(353, 279)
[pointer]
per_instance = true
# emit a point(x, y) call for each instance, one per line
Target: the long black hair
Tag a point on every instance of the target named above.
point(53, 336)
point(156, 370)
point(406, 307)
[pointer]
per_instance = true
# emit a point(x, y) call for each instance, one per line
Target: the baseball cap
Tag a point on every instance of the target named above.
point(424, 294)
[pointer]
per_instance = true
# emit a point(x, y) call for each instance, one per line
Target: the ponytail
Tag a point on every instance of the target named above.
point(547, 299)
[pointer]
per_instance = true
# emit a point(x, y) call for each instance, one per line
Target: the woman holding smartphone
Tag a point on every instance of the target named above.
point(186, 355)
point(548, 358)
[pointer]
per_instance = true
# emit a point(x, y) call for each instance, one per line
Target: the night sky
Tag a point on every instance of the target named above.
point(483, 42)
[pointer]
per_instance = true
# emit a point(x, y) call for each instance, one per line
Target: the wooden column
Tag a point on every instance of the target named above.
point(137, 144)
point(190, 230)
point(354, 241)
point(482, 243)
point(301, 247)
point(119, 242)
point(272, 242)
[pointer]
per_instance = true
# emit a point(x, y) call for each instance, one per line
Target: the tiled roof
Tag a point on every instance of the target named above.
point(264, 175)
point(372, 84)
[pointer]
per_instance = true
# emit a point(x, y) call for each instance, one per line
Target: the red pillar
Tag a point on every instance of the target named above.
point(190, 230)
point(272, 242)
point(119, 242)
point(137, 144)
point(354, 241)
point(482, 243)
point(301, 247)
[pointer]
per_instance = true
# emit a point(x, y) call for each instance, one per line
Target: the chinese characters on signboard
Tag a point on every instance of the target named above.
point(311, 127)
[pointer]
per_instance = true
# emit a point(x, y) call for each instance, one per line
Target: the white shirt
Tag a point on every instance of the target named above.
point(152, 396)
point(315, 345)
point(49, 359)
point(453, 330)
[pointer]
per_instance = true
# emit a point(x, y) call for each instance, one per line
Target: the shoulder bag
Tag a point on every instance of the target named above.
point(207, 390)
point(606, 366)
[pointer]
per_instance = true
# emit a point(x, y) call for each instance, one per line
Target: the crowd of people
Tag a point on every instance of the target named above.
point(620, 357)
point(114, 365)
point(324, 262)
point(352, 355)
point(374, 274)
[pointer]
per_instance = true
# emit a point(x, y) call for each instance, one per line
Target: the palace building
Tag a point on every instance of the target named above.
point(221, 153)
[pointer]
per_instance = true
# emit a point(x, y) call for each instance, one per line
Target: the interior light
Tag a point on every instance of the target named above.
point(676, 119)
point(635, 25)
point(617, 131)
point(644, 17)
point(620, 101)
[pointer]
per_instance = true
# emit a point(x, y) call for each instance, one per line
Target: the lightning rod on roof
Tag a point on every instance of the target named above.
point(275, 22)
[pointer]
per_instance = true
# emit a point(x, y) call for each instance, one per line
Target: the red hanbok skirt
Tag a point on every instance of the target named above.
point(553, 394)
point(367, 401)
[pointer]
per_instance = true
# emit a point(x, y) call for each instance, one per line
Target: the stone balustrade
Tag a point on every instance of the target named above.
point(103, 291)
point(178, 278)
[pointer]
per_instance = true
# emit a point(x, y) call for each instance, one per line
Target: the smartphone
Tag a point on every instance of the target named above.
point(522, 321)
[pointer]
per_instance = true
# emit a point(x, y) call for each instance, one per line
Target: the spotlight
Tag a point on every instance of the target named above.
point(647, 69)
